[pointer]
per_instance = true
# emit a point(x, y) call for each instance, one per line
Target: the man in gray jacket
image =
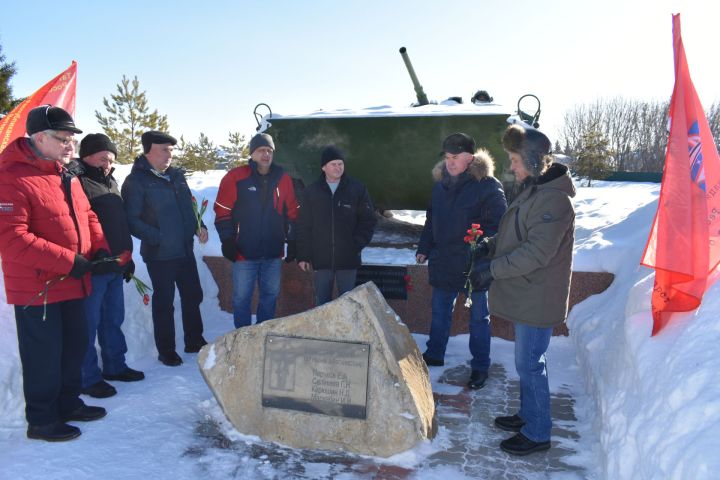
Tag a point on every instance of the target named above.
point(530, 274)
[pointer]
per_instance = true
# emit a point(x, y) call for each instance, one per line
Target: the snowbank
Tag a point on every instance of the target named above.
point(657, 398)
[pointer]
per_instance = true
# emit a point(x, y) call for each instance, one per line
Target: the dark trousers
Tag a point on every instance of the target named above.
point(51, 353)
point(164, 275)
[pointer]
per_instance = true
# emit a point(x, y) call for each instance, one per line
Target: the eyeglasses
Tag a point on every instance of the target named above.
point(65, 141)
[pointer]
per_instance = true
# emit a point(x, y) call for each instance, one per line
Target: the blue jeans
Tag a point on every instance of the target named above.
point(246, 273)
point(105, 312)
point(443, 302)
point(531, 343)
point(324, 280)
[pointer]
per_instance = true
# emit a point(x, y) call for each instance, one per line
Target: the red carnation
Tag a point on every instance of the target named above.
point(146, 299)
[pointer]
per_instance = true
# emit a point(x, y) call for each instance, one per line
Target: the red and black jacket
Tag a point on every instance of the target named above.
point(256, 211)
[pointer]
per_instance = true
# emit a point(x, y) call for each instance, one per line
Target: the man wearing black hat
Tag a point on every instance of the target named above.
point(48, 238)
point(105, 307)
point(336, 222)
point(255, 211)
point(464, 193)
point(159, 209)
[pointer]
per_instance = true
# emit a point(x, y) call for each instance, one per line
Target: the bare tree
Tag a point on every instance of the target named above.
point(713, 116)
point(634, 131)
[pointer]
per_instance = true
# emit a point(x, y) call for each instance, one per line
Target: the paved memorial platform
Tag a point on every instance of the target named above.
point(467, 441)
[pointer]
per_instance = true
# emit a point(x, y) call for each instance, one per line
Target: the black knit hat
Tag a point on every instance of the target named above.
point(156, 137)
point(458, 143)
point(96, 142)
point(47, 117)
point(330, 153)
point(261, 140)
point(532, 145)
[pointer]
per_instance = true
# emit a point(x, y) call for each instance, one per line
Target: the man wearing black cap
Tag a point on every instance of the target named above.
point(48, 236)
point(464, 193)
point(255, 211)
point(105, 307)
point(159, 209)
point(336, 222)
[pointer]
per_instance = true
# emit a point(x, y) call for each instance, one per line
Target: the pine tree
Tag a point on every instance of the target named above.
point(201, 156)
point(7, 70)
point(128, 118)
point(236, 152)
point(593, 155)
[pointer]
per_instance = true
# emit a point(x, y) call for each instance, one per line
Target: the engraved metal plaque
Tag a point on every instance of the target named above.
point(317, 376)
point(390, 279)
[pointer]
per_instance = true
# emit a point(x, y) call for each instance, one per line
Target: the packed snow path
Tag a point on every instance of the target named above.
point(170, 427)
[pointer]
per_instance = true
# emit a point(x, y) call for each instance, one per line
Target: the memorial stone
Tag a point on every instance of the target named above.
point(345, 376)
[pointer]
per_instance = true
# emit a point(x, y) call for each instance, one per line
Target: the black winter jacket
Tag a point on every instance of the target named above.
point(333, 229)
point(105, 200)
point(159, 211)
point(475, 196)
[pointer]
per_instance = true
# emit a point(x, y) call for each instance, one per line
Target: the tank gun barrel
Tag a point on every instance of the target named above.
point(422, 98)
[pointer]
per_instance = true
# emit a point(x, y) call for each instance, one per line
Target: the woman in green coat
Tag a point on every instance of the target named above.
point(530, 274)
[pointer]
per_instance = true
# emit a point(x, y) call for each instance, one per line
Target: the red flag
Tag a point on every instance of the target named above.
point(684, 243)
point(60, 92)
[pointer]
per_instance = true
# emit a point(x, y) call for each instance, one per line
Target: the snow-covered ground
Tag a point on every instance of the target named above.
point(651, 408)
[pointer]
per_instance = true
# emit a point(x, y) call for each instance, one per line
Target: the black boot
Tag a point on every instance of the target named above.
point(86, 413)
point(433, 362)
point(101, 389)
point(521, 445)
point(512, 423)
point(196, 346)
point(171, 359)
point(477, 379)
point(127, 375)
point(54, 432)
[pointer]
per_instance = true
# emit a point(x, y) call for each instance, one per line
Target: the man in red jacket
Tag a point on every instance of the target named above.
point(48, 236)
point(254, 213)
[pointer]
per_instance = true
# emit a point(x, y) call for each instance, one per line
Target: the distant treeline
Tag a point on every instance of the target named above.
point(632, 132)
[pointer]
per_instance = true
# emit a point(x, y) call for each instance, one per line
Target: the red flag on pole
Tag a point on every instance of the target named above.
point(684, 243)
point(59, 92)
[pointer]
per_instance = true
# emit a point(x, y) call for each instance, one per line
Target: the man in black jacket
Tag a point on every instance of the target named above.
point(105, 307)
point(158, 204)
point(337, 220)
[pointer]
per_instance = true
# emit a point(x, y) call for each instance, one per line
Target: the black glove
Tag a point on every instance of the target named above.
point(103, 268)
point(81, 266)
point(482, 251)
point(291, 251)
point(101, 255)
point(229, 249)
point(481, 276)
point(129, 270)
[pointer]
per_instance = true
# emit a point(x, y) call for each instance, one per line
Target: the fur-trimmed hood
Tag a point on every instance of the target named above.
point(482, 166)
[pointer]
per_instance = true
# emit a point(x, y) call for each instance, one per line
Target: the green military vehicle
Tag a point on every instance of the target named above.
point(391, 150)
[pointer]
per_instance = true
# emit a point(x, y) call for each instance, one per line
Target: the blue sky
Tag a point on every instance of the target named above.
point(207, 64)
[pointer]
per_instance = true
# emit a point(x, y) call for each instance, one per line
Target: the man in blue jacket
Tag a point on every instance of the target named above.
point(464, 192)
point(336, 222)
point(158, 203)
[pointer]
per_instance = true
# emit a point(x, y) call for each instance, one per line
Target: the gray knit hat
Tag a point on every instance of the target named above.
point(261, 140)
point(532, 145)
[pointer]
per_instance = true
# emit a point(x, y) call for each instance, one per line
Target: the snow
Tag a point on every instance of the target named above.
point(646, 407)
point(447, 107)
